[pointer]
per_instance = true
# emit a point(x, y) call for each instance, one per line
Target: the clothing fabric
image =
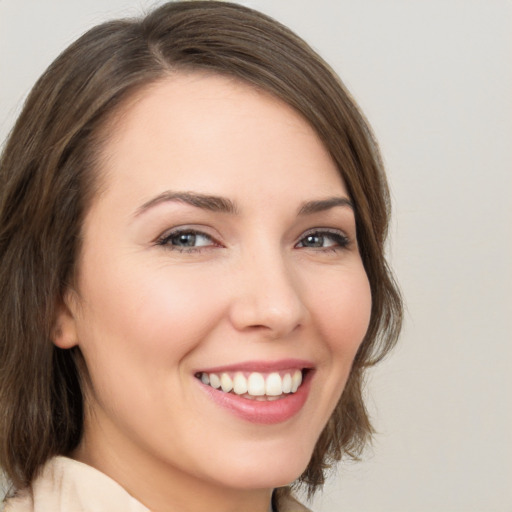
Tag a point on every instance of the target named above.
point(66, 485)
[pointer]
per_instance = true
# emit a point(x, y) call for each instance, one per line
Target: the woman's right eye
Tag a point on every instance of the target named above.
point(188, 240)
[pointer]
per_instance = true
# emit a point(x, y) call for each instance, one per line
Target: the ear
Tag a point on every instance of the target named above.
point(64, 333)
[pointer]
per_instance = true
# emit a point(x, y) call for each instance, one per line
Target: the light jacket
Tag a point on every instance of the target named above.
point(66, 485)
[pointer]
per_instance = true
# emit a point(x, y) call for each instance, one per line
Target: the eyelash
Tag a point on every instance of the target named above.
point(166, 239)
point(341, 241)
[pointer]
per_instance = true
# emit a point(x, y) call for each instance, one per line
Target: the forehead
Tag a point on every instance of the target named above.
point(216, 135)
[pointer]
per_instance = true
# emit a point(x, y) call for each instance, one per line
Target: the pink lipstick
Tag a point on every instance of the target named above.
point(260, 392)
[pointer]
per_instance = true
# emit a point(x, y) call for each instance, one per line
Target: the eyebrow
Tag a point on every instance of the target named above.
point(224, 205)
point(311, 207)
point(205, 202)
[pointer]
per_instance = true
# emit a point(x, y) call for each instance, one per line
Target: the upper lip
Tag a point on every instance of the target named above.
point(260, 366)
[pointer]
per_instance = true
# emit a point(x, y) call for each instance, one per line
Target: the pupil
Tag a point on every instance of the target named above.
point(314, 241)
point(187, 239)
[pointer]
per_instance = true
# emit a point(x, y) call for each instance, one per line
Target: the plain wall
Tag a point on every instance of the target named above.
point(434, 77)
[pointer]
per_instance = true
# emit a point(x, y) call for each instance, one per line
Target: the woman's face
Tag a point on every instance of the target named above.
point(222, 247)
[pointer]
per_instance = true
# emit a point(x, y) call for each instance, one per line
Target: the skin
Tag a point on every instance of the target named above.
point(147, 315)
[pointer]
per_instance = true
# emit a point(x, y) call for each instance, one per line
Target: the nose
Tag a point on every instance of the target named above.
point(267, 297)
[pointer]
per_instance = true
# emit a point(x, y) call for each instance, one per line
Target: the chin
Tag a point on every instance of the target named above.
point(266, 477)
point(269, 469)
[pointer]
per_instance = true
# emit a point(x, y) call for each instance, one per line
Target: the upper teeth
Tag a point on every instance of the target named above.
point(255, 383)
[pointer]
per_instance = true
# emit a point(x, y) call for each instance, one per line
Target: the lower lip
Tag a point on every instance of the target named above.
point(264, 412)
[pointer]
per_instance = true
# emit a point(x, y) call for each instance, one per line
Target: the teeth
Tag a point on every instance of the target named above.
point(287, 383)
point(226, 383)
point(256, 386)
point(296, 380)
point(240, 384)
point(274, 385)
point(214, 381)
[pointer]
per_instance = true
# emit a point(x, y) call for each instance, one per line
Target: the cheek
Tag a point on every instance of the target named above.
point(343, 311)
point(149, 320)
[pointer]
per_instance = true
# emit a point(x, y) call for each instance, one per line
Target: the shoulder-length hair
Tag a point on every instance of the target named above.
point(47, 180)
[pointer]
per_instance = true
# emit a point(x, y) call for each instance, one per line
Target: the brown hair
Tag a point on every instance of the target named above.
point(47, 181)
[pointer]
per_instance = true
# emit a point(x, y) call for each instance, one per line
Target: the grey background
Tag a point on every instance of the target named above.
point(435, 79)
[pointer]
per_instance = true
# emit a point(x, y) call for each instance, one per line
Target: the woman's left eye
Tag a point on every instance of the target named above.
point(186, 240)
point(323, 240)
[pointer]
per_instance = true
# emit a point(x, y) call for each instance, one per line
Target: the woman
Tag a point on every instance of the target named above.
point(192, 217)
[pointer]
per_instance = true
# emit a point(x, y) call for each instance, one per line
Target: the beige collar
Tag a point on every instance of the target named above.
point(66, 485)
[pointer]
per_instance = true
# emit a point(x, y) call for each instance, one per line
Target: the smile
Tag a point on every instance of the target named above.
point(261, 386)
point(261, 392)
